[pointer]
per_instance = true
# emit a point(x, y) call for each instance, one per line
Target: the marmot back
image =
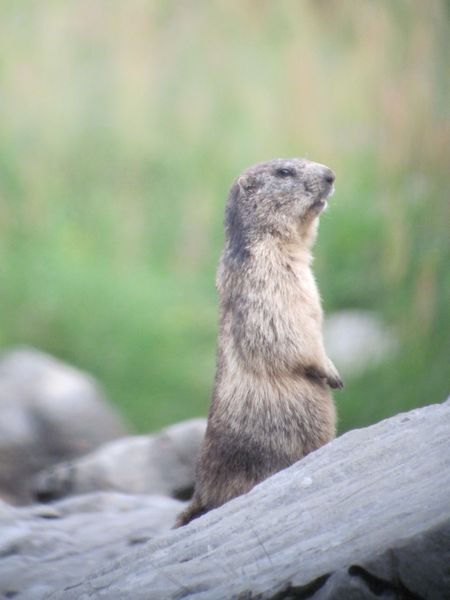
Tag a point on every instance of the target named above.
point(271, 403)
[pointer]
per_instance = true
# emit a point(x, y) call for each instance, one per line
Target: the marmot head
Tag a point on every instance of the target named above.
point(280, 197)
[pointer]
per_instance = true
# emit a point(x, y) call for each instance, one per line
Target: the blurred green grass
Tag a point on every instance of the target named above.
point(123, 125)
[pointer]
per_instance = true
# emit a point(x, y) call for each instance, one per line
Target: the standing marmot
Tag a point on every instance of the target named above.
point(271, 403)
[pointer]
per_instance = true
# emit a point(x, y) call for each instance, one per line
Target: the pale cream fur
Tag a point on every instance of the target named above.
point(271, 404)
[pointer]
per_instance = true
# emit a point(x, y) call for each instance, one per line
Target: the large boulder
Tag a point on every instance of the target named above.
point(366, 516)
point(44, 548)
point(163, 463)
point(49, 412)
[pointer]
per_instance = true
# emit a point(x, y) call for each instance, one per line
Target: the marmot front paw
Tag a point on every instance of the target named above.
point(334, 381)
point(332, 377)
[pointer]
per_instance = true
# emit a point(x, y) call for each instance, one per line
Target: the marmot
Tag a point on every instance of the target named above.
point(271, 404)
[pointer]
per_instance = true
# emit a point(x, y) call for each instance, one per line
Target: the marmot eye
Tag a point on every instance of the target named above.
point(285, 172)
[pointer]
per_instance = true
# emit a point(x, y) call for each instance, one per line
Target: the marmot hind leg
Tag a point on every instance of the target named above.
point(193, 511)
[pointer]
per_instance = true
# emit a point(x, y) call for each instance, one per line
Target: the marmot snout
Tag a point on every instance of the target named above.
point(271, 404)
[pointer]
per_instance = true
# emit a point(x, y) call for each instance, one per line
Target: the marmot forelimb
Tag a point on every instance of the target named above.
point(271, 404)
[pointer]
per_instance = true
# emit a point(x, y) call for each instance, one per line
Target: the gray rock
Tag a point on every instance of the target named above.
point(63, 542)
point(366, 516)
point(48, 412)
point(163, 463)
point(357, 340)
point(377, 496)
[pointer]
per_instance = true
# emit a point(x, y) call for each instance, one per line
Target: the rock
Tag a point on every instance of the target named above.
point(48, 412)
point(366, 516)
point(63, 542)
point(357, 340)
point(155, 464)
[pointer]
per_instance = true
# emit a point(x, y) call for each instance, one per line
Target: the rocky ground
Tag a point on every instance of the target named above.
point(367, 516)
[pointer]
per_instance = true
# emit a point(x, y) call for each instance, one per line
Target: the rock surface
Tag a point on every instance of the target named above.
point(43, 548)
point(367, 516)
point(163, 463)
point(48, 412)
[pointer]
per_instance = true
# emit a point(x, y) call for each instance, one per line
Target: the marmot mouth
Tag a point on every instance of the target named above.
point(321, 202)
point(319, 205)
point(331, 192)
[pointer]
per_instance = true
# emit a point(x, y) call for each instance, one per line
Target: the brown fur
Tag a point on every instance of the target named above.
point(271, 403)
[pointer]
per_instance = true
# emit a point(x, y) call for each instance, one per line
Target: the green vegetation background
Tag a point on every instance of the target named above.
point(122, 127)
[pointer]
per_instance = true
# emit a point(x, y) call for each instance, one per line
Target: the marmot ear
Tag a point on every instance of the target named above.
point(236, 192)
point(247, 183)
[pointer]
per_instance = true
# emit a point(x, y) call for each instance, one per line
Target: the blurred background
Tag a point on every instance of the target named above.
point(122, 127)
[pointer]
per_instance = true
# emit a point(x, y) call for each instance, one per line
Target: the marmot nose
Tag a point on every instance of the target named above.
point(329, 176)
